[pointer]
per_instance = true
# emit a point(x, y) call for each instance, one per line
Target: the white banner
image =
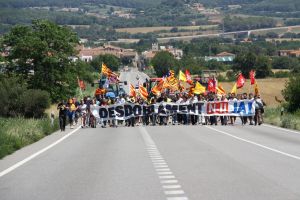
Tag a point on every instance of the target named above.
point(210, 108)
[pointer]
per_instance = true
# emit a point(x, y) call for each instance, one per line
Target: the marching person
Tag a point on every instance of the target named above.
point(259, 109)
point(62, 114)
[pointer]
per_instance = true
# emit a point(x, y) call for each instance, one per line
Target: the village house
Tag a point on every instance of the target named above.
point(148, 55)
point(221, 57)
point(87, 54)
point(289, 53)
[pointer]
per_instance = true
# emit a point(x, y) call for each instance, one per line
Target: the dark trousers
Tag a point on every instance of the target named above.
point(62, 122)
point(223, 120)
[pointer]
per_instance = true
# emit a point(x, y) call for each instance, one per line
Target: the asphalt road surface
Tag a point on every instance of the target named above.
point(153, 163)
point(156, 163)
point(134, 77)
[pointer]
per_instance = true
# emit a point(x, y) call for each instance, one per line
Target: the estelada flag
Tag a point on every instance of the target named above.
point(211, 85)
point(199, 89)
point(240, 81)
point(188, 77)
point(132, 92)
point(143, 92)
point(182, 76)
point(81, 84)
point(252, 77)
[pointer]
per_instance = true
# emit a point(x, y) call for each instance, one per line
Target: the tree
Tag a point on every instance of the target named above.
point(41, 55)
point(263, 67)
point(284, 62)
point(162, 62)
point(110, 60)
point(291, 93)
point(244, 63)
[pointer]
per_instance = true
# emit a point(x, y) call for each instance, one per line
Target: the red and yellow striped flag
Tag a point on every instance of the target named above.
point(143, 92)
point(132, 92)
point(108, 73)
point(156, 90)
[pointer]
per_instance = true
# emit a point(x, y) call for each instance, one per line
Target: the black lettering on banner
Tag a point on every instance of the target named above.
point(128, 110)
point(111, 112)
point(137, 110)
point(103, 113)
point(200, 105)
point(191, 108)
point(151, 109)
point(147, 110)
point(183, 108)
point(161, 109)
point(120, 111)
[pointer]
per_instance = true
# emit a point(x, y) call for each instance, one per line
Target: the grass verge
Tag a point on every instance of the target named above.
point(16, 133)
point(287, 120)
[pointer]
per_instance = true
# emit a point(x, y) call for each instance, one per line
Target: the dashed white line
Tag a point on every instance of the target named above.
point(164, 173)
point(171, 186)
point(170, 192)
point(177, 198)
point(168, 180)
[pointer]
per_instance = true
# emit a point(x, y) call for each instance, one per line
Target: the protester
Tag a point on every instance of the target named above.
point(62, 115)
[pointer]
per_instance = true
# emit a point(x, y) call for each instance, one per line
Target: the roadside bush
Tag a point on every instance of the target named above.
point(291, 93)
point(17, 101)
point(35, 102)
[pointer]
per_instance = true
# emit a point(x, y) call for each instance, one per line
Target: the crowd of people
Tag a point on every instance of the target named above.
point(85, 111)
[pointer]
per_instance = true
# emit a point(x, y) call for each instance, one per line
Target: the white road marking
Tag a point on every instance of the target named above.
point(168, 181)
point(282, 129)
point(22, 162)
point(170, 192)
point(171, 186)
point(256, 144)
point(166, 177)
point(177, 198)
point(162, 170)
point(164, 173)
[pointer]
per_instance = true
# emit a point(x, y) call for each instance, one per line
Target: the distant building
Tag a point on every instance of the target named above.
point(148, 55)
point(289, 53)
point(221, 57)
point(87, 54)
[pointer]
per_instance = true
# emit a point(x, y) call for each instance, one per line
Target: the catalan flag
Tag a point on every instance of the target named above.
point(143, 92)
point(156, 90)
point(132, 92)
point(108, 73)
point(220, 90)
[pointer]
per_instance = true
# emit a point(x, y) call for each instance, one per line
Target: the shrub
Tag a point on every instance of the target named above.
point(35, 102)
point(291, 93)
point(18, 101)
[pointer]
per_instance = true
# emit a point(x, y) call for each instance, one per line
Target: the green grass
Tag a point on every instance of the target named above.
point(16, 133)
point(288, 120)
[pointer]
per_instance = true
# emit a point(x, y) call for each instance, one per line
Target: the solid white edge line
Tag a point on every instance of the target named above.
point(280, 128)
point(22, 162)
point(256, 144)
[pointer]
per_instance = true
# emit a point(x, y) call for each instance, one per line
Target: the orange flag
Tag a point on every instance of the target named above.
point(220, 90)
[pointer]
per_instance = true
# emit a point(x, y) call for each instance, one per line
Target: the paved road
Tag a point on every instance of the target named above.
point(134, 77)
point(153, 163)
point(190, 37)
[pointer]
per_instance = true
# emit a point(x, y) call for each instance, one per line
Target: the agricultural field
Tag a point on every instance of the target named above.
point(269, 89)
